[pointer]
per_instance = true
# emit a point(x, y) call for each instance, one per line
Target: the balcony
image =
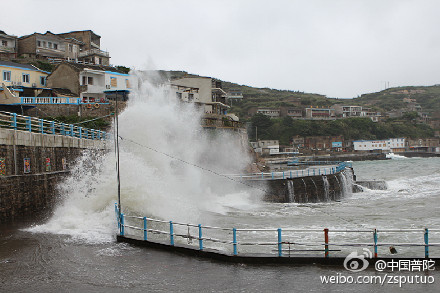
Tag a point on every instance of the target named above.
point(7, 49)
point(93, 52)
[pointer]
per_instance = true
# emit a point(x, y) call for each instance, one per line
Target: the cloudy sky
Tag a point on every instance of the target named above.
point(340, 48)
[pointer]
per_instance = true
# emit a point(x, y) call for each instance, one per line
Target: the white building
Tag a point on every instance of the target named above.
point(211, 96)
point(271, 147)
point(391, 145)
point(92, 83)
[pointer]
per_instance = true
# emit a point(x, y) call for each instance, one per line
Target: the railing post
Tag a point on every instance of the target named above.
point(262, 175)
point(280, 244)
point(272, 175)
point(63, 129)
point(122, 225)
point(375, 242)
point(171, 233)
point(80, 132)
point(41, 126)
point(71, 130)
point(234, 240)
point(52, 125)
point(326, 252)
point(145, 229)
point(200, 238)
point(118, 218)
point(426, 243)
point(29, 124)
point(308, 172)
point(283, 174)
point(99, 134)
point(93, 133)
point(313, 172)
point(14, 121)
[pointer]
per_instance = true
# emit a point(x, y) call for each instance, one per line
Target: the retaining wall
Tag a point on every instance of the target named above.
point(31, 164)
point(306, 189)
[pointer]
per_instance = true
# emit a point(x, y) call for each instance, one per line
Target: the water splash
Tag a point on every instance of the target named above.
point(153, 184)
point(326, 188)
point(291, 190)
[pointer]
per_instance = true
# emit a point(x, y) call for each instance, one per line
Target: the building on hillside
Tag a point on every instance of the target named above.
point(272, 113)
point(20, 80)
point(186, 94)
point(323, 142)
point(234, 94)
point(298, 142)
point(79, 46)
point(431, 145)
point(316, 113)
point(211, 95)
point(348, 111)
point(8, 46)
point(36, 45)
point(295, 113)
point(266, 147)
point(388, 145)
point(90, 49)
point(92, 83)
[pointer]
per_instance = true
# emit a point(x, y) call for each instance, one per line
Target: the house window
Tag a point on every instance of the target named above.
point(100, 61)
point(43, 80)
point(190, 97)
point(49, 44)
point(44, 44)
point(39, 43)
point(113, 82)
point(70, 48)
point(179, 95)
point(55, 46)
point(127, 84)
point(6, 75)
point(4, 43)
point(25, 78)
point(87, 80)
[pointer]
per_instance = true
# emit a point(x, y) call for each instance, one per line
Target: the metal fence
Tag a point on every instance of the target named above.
point(312, 171)
point(36, 125)
point(281, 241)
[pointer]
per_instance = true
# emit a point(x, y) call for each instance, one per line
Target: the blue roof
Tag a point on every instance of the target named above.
point(21, 66)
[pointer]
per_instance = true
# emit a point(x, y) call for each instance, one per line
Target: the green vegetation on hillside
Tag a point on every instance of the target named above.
point(283, 129)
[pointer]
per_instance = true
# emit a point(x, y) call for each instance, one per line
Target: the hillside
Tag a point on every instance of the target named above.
point(428, 97)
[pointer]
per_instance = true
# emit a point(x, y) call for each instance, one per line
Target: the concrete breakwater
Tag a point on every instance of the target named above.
point(31, 165)
point(321, 188)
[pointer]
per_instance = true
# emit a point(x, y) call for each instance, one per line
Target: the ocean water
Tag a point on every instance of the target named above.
point(170, 170)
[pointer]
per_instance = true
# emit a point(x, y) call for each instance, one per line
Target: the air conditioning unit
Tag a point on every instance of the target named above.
point(107, 86)
point(34, 85)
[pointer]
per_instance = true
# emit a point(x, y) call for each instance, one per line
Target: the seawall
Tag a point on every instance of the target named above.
point(31, 165)
point(321, 188)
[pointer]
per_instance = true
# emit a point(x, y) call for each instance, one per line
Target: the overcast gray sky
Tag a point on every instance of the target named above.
point(340, 48)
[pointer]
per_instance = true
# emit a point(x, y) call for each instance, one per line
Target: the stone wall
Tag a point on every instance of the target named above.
point(70, 110)
point(32, 164)
point(321, 188)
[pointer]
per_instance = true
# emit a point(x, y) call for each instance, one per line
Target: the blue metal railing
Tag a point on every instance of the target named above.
point(282, 240)
point(33, 124)
point(334, 168)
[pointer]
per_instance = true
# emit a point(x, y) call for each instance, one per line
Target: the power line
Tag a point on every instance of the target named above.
point(218, 174)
